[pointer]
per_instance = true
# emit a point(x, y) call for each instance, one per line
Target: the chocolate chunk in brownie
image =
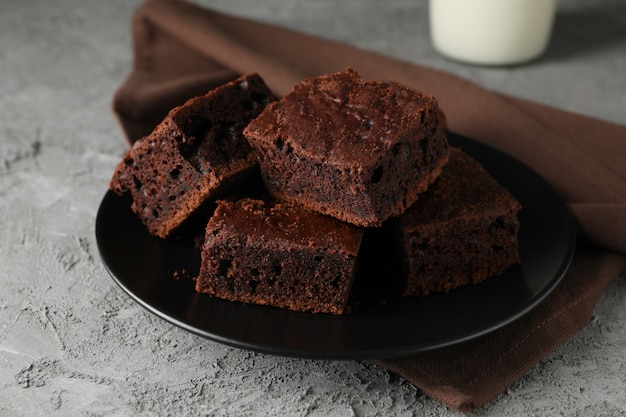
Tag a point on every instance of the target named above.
point(461, 231)
point(360, 151)
point(279, 255)
point(194, 155)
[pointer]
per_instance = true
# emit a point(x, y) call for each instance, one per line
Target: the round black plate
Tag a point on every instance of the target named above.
point(144, 267)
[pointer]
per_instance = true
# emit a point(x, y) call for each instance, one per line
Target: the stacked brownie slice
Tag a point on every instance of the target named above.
point(360, 151)
point(341, 159)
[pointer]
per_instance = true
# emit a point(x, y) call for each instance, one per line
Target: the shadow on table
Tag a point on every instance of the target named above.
point(588, 27)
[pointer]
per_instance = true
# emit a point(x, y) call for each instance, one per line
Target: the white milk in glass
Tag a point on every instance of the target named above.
point(491, 32)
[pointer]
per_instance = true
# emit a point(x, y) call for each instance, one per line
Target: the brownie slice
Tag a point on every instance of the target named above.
point(196, 153)
point(461, 231)
point(360, 151)
point(279, 255)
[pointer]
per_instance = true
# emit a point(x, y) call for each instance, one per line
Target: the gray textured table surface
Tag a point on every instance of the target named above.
point(73, 344)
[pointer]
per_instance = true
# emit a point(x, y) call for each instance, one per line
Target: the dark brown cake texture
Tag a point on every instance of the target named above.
point(196, 153)
point(360, 151)
point(461, 231)
point(279, 255)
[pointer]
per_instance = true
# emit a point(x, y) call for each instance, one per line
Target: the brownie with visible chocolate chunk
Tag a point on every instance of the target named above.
point(194, 155)
point(463, 230)
point(360, 151)
point(279, 255)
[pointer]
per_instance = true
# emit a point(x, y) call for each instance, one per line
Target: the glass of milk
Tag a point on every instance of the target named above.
point(491, 32)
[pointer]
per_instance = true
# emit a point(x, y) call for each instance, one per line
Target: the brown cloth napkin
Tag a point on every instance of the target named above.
point(182, 50)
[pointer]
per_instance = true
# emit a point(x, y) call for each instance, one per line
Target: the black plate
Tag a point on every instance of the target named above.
point(144, 266)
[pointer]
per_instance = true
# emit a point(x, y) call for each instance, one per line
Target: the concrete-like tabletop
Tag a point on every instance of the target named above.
point(73, 344)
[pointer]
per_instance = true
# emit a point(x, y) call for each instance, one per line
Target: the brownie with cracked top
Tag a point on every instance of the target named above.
point(194, 155)
point(279, 255)
point(360, 151)
point(463, 230)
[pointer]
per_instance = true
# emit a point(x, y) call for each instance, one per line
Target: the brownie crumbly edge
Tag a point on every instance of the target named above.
point(197, 153)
